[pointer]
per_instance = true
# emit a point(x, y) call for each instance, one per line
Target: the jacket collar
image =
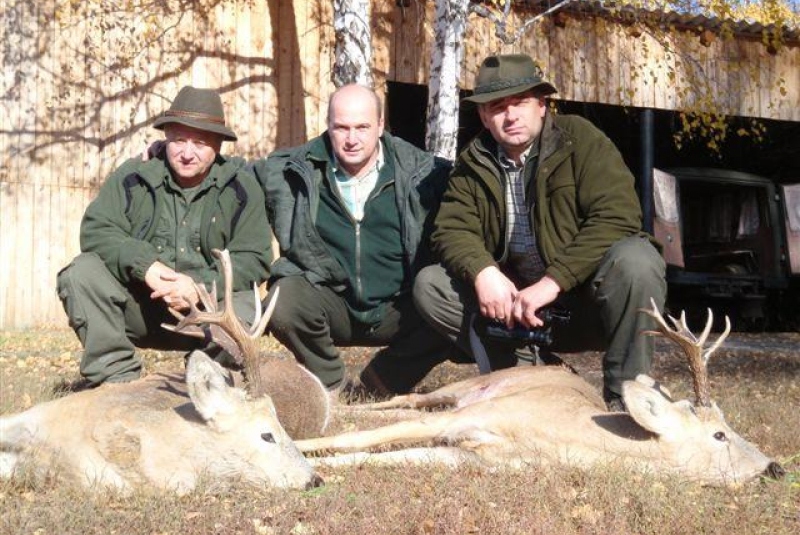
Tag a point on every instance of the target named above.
point(408, 163)
point(320, 149)
point(552, 137)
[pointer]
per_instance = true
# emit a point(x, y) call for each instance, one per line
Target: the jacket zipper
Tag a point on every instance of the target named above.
point(359, 278)
point(359, 282)
point(490, 162)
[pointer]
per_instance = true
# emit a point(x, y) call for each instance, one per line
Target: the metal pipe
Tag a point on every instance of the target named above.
point(646, 170)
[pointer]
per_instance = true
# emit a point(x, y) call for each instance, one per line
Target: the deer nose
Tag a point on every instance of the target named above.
point(774, 471)
point(315, 482)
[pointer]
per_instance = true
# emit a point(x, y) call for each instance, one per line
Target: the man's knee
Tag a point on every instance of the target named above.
point(295, 301)
point(432, 289)
point(86, 276)
point(637, 261)
point(85, 269)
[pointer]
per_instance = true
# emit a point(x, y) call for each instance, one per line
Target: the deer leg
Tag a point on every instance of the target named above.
point(413, 401)
point(445, 456)
point(428, 427)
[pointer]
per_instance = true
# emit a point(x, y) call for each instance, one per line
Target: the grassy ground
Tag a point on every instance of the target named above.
point(758, 390)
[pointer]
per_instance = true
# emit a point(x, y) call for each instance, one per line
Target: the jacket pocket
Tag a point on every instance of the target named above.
point(67, 294)
point(560, 183)
point(194, 240)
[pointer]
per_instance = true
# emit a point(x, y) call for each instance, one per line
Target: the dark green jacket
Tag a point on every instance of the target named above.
point(292, 179)
point(119, 223)
point(584, 202)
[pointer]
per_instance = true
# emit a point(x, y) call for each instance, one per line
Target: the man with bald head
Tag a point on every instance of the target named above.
point(352, 211)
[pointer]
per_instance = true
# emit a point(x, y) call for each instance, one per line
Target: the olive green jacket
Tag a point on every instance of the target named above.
point(119, 224)
point(584, 202)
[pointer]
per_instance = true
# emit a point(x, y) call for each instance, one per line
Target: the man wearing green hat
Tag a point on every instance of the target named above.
point(148, 236)
point(541, 209)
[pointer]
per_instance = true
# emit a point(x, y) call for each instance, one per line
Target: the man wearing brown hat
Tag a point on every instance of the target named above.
point(541, 209)
point(148, 236)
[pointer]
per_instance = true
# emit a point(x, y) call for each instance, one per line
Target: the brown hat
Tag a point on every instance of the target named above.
point(197, 108)
point(502, 76)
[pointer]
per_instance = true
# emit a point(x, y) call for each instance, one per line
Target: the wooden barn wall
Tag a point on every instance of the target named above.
point(82, 81)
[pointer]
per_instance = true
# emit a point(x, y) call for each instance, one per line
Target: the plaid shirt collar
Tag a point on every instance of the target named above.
point(509, 164)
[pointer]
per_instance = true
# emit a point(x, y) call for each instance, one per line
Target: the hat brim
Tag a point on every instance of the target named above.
point(226, 133)
point(545, 88)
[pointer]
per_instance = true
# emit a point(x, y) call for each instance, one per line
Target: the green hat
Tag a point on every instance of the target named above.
point(502, 76)
point(197, 108)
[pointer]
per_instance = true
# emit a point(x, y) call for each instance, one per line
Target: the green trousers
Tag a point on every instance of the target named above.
point(604, 312)
point(112, 320)
point(313, 321)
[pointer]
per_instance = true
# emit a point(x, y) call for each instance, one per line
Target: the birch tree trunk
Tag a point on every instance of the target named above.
point(353, 50)
point(441, 131)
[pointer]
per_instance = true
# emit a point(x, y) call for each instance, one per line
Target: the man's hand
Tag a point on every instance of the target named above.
point(531, 299)
point(175, 289)
point(496, 294)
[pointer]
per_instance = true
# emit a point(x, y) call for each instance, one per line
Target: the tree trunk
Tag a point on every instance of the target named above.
point(441, 136)
point(353, 50)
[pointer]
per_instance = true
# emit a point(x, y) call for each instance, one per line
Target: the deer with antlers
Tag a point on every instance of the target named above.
point(172, 431)
point(550, 415)
point(301, 400)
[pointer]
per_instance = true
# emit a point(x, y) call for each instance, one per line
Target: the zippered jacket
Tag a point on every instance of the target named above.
point(292, 180)
point(120, 223)
point(584, 202)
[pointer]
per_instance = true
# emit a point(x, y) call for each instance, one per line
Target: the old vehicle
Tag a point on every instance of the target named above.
point(732, 242)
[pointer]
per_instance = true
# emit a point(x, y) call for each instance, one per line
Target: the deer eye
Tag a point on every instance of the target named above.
point(267, 437)
point(719, 435)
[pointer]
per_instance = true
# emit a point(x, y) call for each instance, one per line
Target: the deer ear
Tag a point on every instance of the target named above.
point(653, 411)
point(209, 391)
point(648, 381)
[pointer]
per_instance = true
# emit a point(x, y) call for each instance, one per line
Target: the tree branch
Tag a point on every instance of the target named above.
point(501, 22)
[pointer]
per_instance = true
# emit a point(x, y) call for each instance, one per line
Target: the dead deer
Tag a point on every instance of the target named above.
point(164, 430)
point(548, 414)
point(171, 430)
point(301, 400)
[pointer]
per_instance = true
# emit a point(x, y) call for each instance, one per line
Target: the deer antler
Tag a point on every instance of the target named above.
point(226, 328)
point(692, 346)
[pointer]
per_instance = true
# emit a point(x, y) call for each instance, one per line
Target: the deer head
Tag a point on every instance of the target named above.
point(301, 400)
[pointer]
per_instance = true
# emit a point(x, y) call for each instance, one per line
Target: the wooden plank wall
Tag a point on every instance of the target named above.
point(81, 84)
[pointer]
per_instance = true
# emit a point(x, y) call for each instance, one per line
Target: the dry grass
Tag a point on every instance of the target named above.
point(759, 391)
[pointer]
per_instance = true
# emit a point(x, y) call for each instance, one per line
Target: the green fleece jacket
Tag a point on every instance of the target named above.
point(584, 202)
point(119, 224)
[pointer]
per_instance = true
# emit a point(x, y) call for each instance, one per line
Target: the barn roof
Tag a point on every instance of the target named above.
point(747, 28)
